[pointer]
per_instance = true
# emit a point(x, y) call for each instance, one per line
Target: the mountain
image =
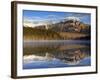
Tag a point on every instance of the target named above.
point(69, 25)
point(72, 26)
point(66, 29)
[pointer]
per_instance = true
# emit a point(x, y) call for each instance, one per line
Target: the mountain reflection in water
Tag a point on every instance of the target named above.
point(56, 54)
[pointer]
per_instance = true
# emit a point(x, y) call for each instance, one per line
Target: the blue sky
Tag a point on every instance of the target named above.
point(40, 16)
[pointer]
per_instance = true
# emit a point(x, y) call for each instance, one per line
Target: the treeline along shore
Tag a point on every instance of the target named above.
point(43, 34)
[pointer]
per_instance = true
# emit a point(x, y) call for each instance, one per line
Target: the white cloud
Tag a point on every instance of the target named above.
point(33, 25)
point(73, 17)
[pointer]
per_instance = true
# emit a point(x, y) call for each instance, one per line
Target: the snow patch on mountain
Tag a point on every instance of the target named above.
point(73, 18)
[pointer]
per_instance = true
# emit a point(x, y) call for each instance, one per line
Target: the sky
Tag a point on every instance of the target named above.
point(37, 17)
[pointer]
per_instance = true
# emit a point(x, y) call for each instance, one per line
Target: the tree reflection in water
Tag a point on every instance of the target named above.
point(70, 54)
point(71, 57)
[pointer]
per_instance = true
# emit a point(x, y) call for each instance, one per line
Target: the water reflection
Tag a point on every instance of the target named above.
point(74, 57)
point(51, 54)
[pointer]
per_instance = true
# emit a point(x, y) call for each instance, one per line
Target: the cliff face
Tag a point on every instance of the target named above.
point(67, 26)
point(73, 26)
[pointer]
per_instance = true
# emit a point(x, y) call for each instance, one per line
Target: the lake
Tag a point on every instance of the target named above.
point(56, 53)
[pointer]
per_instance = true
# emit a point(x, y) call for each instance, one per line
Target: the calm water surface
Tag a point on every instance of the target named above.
point(56, 54)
